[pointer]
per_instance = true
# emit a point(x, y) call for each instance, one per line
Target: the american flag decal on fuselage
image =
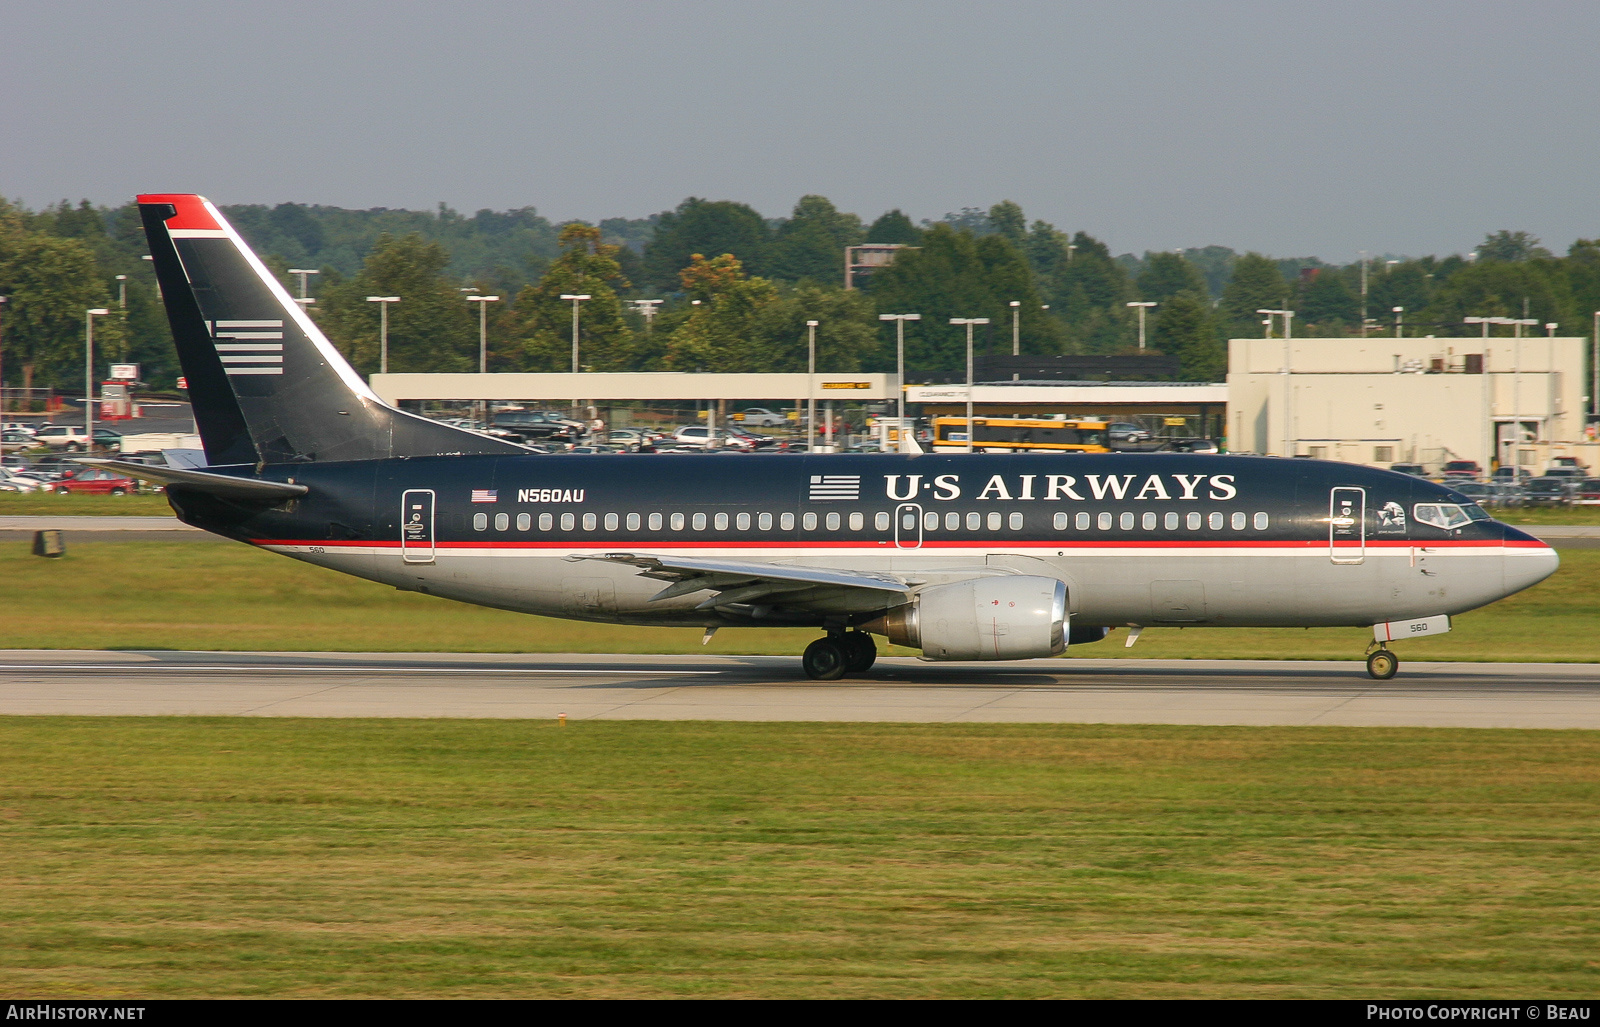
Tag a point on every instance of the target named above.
point(835, 486)
point(258, 355)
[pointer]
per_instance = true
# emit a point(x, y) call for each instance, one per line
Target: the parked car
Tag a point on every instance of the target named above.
point(1589, 490)
point(1502, 494)
point(1415, 470)
point(1513, 474)
point(1462, 469)
point(634, 440)
point(1125, 431)
point(19, 481)
point(698, 436)
point(1547, 492)
point(1190, 446)
point(94, 481)
point(540, 425)
point(1567, 464)
point(760, 417)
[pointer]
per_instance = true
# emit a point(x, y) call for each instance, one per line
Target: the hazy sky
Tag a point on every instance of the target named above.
point(1293, 128)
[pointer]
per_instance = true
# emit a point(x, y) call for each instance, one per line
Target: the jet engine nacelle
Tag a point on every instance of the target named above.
point(1015, 617)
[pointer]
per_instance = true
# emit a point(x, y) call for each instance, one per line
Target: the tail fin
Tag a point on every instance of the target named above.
point(266, 385)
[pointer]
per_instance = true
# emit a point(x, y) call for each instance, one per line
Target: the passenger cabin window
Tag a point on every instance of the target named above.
point(502, 522)
point(1193, 522)
point(1061, 520)
point(1171, 522)
point(1261, 522)
point(633, 522)
point(952, 521)
point(974, 521)
point(1016, 522)
point(1216, 521)
point(722, 522)
point(655, 522)
point(1083, 522)
point(699, 522)
point(858, 521)
point(1127, 522)
point(546, 522)
point(786, 521)
point(833, 522)
point(677, 522)
point(524, 522)
point(880, 520)
point(1148, 522)
point(930, 521)
point(1103, 522)
point(589, 521)
point(568, 521)
point(1240, 518)
point(809, 522)
point(994, 522)
point(480, 521)
point(612, 522)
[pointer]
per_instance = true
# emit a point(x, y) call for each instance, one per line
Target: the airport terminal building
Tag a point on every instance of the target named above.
point(1384, 400)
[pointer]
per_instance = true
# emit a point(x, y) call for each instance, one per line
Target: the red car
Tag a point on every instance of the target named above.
point(94, 481)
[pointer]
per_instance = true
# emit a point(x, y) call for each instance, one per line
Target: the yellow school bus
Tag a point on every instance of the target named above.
point(1016, 434)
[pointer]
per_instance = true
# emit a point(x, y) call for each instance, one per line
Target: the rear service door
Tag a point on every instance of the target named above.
point(1347, 525)
point(416, 526)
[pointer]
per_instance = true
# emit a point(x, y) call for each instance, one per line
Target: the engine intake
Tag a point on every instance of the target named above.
point(1015, 617)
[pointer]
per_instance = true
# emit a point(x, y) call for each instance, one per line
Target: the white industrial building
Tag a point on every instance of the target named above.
point(1384, 400)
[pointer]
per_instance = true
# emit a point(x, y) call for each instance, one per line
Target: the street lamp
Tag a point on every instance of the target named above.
point(648, 309)
point(122, 292)
point(900, 362)
point(1016, 328)
point(1142, 307)
point(576, 299)
point(5, 299)
point(811, 386)
point(383, 331)
point(1288, 375)
point(1594, 390)
point(969, 322)
point(1399, 317)
point(88, 372)
point(483, 329)
point(303, 272)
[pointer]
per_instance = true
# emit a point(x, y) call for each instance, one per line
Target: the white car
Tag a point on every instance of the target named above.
point(20, 482)
point(760, 417)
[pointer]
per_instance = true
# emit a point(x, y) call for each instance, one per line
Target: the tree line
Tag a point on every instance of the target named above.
point(738, 289)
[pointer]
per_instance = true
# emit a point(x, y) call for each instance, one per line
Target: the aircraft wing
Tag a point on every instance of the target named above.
point(737, 582)
point(225, 485)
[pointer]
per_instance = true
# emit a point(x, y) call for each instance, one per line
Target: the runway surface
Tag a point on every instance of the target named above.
point(755, 688)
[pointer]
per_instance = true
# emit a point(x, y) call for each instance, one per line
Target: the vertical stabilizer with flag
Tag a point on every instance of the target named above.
point(267, 387)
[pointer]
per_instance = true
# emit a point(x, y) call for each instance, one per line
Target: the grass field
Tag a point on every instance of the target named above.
point(169, 857)
point(187, 595)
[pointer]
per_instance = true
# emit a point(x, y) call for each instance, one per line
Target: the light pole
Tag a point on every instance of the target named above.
point(576, 299)
point(88, 373)
point(900, 363)
point(1490, 446)
point(483, 329)
point(1594, 389)
point(304, 301)
point(811, 386)
point(969, 322)
point(1399, 317)
point(5, 299)
point(1016, 328)
point(1363, 294)
point(648, 309)
point(122, 292)
point(1288, 375)
point(1142, 308)
point(383, 329)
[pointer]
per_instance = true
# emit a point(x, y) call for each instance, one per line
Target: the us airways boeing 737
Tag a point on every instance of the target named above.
point(963, 557)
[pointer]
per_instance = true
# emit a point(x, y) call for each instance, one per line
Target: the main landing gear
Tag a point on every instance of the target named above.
point(841, 653)
point(1381, 663)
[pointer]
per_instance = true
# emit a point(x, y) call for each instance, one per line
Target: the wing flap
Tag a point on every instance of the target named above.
point(738, 581)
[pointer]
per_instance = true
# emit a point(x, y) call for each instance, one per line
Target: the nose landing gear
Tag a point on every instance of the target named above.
point(1381, 663)
point(841, 653)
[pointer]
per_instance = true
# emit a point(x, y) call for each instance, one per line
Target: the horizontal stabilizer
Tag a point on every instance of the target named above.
point(224, 485)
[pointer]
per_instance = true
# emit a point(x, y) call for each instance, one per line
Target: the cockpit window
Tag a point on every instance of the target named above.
point(1446, 515)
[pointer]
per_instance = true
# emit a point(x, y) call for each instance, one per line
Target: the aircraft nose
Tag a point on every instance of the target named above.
point(1528, 561)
